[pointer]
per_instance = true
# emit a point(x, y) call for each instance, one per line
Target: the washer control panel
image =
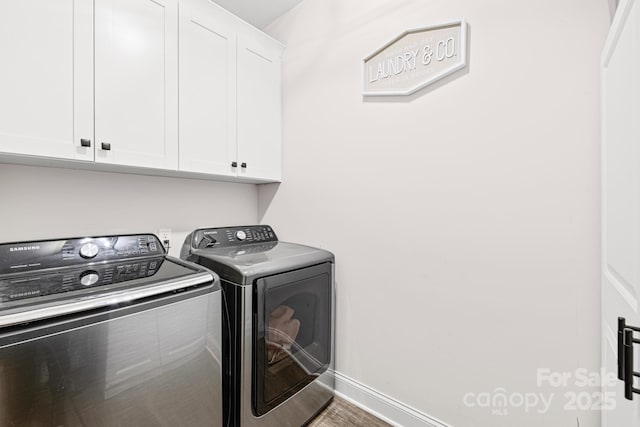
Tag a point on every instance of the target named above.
point(20, 257)
point(27, 286)
point(89, 250)
point(232, 236)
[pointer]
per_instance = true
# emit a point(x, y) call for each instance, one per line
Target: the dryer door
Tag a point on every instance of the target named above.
point(292, 339)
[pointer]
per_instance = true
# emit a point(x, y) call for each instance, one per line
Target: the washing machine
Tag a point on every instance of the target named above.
point(108, 331)
point(278, 325)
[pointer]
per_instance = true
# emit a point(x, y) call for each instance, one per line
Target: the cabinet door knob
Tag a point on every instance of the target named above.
point(106, 146)
point(243, 165)
point(234, 164)
point(85, 142)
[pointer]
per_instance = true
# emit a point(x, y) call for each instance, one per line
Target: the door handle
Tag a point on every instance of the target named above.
point(106, 146)
point(234, 164)
point(85, 142)
point(629, 373)
point(243, 165)
point(626, 341)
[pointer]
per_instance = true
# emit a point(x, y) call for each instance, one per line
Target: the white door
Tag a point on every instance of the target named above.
point(136, 82)
point(621, 202)
point(207, 90)
point(259, 109)
point(46, 78)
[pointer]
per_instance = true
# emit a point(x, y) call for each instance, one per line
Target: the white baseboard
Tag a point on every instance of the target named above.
point(382, 406)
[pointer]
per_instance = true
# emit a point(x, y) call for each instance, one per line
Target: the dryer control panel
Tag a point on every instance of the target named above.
point(233, 236)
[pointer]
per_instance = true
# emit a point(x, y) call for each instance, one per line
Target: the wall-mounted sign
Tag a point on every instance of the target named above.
point(415, 59)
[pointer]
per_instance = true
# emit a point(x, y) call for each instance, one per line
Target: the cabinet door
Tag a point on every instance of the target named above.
point(259, 108)
point(136, 82)
point(46, 78)
point(207, 90)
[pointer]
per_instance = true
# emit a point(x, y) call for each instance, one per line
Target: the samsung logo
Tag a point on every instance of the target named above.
point(24, 294)
point(24, 248)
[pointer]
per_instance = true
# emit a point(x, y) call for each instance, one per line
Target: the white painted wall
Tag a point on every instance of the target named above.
point(40, 203)
point(465, 219)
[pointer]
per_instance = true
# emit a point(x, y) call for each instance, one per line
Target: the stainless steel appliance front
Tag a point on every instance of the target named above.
point(300, 406)
point(279, 300)
point(156, 363)
point(108, 332)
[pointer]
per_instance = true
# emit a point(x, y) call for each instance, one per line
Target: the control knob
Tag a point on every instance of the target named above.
point(241, 235)
point(89, 278)
point(89, 250)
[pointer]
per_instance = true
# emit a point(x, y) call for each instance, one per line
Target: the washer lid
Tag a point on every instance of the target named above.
point(243, 264)
point(51, 278)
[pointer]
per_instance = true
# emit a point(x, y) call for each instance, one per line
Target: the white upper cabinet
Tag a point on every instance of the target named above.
point(259, 107)
point(163, 87)
point(46, 78)
point(136, 82)
point(207, 90)
point(230, 95)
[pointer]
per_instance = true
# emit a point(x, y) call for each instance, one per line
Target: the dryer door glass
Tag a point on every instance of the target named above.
point(293, 333)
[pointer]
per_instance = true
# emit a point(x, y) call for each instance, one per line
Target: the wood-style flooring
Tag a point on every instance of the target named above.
point(341, 413)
